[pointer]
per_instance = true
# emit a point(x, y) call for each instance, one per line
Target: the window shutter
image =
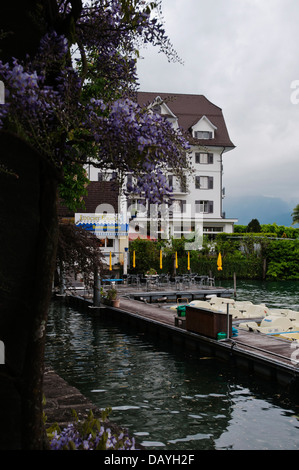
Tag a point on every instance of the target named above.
point(197, 157)
point(211, 158)
point(211, 207)
point(211, 182)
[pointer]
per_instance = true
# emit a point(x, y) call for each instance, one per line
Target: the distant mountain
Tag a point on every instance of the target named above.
point(267, 210)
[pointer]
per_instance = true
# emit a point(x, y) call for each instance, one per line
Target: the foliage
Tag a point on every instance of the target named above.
point(295, 215)
point(151, 272)
point(226, 245)
point(78, 252)
point(111, 294)
point(235, 263)
point(90, 434)
point(269, 230)
point(146, 255)
point(73, 114)
point(243, 254)
point(239, 228)
point(280, 231)
point(253, 226)
point(74, 186)
point(282, 259)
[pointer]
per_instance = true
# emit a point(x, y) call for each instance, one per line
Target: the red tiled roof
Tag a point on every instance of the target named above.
point(99, 192)
point(189, 109)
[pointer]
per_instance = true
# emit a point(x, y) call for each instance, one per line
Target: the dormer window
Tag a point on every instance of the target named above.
point(156, 108)
point(203, 135)
point(204, 129)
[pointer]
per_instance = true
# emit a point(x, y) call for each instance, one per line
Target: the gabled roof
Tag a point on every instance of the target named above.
point(99, 192)
point(204, 118)
point(190, 109)
point(159, 101)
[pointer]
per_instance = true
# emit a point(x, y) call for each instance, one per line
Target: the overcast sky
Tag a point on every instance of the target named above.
point(243, 55)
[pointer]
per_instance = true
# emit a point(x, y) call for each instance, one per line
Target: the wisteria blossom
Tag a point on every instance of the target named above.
point(71, 439)
point(82, 108)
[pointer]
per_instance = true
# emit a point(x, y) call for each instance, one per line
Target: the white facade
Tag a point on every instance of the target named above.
point(201, 198)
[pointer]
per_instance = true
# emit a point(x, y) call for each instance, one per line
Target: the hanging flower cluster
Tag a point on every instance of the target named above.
point(87, 112)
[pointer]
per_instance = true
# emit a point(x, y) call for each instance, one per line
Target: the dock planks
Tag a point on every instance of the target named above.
point(272, 351)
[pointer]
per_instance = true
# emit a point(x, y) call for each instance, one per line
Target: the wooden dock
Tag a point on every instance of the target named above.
point(170, 292)
point(176, 294)
point(267, 356)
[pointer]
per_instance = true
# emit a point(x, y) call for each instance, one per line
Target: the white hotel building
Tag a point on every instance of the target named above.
point(204, 193)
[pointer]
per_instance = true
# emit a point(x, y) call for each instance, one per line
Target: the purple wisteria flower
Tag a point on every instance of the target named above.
point(103, 439)
point(87, 113)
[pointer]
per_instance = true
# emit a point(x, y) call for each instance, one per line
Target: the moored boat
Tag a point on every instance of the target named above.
point(271, 325)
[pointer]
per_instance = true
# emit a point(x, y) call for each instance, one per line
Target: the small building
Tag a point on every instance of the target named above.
point(100, 216)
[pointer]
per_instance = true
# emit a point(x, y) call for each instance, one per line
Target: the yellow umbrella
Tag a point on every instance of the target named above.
point(176, 260)
point(134, 259)
point(188, 267)
point(161, 265)
point(219, 262)
point(110, 261)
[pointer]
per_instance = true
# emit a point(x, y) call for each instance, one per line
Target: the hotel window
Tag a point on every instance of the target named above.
point(213, 229)
point(204, 158)
point(204, 182)
point(107, 176)
point(105, 242)
point(157, 108)
point(109, 242)
point(183, 184)
point(205, 207)
point(203, 135)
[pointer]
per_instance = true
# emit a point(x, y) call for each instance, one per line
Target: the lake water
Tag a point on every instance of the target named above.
point(167, 398)
point(276, 294)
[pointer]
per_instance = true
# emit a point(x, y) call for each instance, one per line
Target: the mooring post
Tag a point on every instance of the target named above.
point(227, 326)
point(97, 290)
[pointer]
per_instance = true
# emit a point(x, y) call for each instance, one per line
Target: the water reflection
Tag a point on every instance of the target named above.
point(167, 398)
point(276, 294)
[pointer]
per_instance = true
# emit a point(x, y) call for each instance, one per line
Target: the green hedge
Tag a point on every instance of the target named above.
point(242, 266)
point(245, 256)
point(147, 255)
